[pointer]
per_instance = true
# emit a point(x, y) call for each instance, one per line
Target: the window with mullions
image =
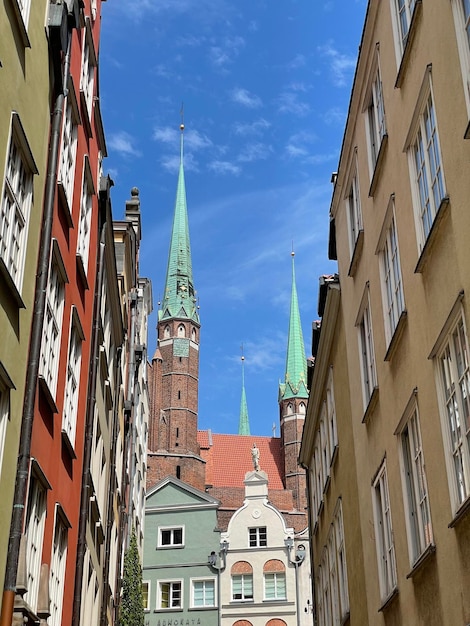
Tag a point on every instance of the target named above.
point(375, 116)
point(68, 148)
point(366, 348)
point(403, 12)
point(274, 572)
point(86, 202)
point(454, 386)
point(203, 592)
point(57, 575)
point(242, 587)
point(353, 202)
point(34, 532)
point(461, 11)
point(258, 537)
point(69, 417)
point(171, 536)
point(384, 534)
point(170, 595)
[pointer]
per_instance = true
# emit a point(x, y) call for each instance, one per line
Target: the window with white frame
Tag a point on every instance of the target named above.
point(325, 448)
point(169, 594)
point(24, 6)
point(89, 63)
point(86, 201)
point(375, 116)
point(461, 11)
point(275, 586)
point(52, 327)
point(203, 592)
point(390, 269)
point(354, 212)
point(69, 418)
point(90, 593)
point(170, 536)
point(454, 386)
point(332, 588)
point(68, 148)
point(146, 586)
point(384, 534)
point(415, 489)
point(366, 349)
point(5, 386)
point(57, 573)
point(331, 415)
point(34, 533)
point(402, 11)
point(242, 587)
point(424, 156)
point(257, 537)
point(16, 203)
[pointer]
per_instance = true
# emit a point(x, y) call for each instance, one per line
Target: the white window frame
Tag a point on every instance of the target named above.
point(53, 318)
point(172, 593)
point(428, 186)
point(205, 603)
point(88, 69)
point(25, 8)
point(86, 212)
point(338, 529)
point(414, 483)
point(279, 585)
point(72, 382)
point(453, 387)
point(353, 208)
point(393, 297)
point(366, 349)
point(246, 583)
point(6, 385)
point(68, 146)
point(331, 415)
point(34, 531)
point(384, 543)
point(16, 202)
point(57, 571)
point(462, 29)
point(148, 585)
point(402, 12)
point(258, 538)
point(374, 114)
point(172, 543)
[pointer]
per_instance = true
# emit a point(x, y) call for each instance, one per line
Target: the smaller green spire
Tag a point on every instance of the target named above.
point(244, 422)
point(295, 384)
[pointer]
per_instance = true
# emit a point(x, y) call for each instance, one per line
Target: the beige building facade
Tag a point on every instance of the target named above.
point(393, 344)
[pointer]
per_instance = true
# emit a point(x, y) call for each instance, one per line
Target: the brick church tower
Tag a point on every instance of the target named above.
point(174, 370)
point(293, 397)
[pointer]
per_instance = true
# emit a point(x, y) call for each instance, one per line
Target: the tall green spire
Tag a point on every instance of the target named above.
point(244, 423)
point(295, 384)
point(179, 299)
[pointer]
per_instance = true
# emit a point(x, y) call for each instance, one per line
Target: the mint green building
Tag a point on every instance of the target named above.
point(180, 577)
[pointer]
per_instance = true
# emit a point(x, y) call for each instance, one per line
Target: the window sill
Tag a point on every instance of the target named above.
point(371, 405)
point(11, 285)
point(68, 445)
point(326, 485)
point(415, 19)
point(250, 601)
point(46, 392)
point(202, 608)
point(460, 513)
point(175, 547)
point(334, 455)
point(388, 601)
point(21, 25)
point(425, 252)
point(378, 166)
point(177, 609)
point(422, 559)
point(397, 333)
point(467, 132)
point(357, 252)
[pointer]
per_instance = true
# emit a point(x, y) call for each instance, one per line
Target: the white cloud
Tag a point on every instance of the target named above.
point(171, 163)
point(245, 98)
point(226, 51)
point(254, 152)
point(342, 65)
point(224, 167)
point(288, 102)
point(122, 142)
point(296, 151)
point(298, 61)
point(254, 128)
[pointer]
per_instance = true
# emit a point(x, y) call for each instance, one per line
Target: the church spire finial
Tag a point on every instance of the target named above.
point(244, 422)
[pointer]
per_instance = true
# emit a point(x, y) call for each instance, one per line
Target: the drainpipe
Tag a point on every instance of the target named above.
point(32, 371)
point(91, 401)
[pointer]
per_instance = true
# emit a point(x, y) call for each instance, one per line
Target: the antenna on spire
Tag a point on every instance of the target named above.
point(292, 251)
point(182, 131)
point(182, 117)
point(274, 429)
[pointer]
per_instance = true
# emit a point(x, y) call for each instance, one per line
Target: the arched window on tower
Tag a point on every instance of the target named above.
point(302, 408)
point(181, 331)
point(290, 409)
point(166, 332)
point(178, 471)
point(193, 334)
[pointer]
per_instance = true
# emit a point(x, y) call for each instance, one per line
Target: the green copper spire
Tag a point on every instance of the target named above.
point(295, 384)
point(179, 299)
point(244, 423)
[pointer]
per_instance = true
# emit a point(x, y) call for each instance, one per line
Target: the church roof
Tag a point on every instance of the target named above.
point(179, 299)
point(228, 458)
point(295, 384)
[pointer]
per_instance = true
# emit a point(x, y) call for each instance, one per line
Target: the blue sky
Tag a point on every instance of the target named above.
point(265, 87)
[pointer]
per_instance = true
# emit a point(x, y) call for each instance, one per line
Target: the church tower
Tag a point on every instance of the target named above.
point(174, 371)
point(293, 397)
point(244, 422)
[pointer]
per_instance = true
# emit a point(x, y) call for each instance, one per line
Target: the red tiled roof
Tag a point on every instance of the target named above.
point(228, 458)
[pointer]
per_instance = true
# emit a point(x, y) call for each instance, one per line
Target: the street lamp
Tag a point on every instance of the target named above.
point(299, 558)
